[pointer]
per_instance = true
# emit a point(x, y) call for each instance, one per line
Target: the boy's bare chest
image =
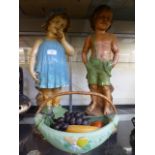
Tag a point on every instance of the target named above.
point(102, 41)
point(102, 44)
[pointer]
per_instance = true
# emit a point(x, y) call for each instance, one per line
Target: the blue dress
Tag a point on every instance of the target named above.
point(51, 65)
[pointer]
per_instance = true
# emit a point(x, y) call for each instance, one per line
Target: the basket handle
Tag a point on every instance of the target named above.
point(77, 92)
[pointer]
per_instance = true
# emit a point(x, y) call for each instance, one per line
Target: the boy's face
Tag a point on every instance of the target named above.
point(57, 24)
point(103, 20)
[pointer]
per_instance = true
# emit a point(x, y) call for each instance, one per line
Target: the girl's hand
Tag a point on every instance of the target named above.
point(34, 76)
point(60, 36)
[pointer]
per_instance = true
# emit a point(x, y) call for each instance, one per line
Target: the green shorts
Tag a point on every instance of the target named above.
point(98, 72)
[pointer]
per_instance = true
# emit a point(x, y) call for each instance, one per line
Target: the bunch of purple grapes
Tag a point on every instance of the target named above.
point(70, 118)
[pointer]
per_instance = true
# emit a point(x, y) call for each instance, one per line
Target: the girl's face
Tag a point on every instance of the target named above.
point(103, 20)
point(57, 24)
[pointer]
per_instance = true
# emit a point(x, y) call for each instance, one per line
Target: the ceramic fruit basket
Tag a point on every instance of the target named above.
point(75, 143)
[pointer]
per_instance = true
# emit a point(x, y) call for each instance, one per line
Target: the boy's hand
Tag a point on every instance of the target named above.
point(113, 65)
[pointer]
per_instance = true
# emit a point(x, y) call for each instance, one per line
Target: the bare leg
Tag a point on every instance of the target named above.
point(111, 89)
point(41, 96)
point(56, 101)
point(44, 95)
point(106, 90)
point(93, 88)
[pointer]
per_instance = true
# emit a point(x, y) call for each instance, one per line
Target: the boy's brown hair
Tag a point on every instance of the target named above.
point(96, 12)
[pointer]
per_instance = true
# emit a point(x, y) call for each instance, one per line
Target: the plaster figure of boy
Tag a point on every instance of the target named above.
point(48, 63)
point(104, 56)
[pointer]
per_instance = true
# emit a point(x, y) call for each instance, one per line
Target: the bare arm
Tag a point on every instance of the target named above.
point(86, 47)
point(33, 59)
point(68, 48)
point(115, 50)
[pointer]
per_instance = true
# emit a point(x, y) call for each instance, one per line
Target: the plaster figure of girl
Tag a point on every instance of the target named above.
point(48, 62)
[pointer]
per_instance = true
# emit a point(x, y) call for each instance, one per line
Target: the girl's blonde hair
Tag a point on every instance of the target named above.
point(62, 15)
